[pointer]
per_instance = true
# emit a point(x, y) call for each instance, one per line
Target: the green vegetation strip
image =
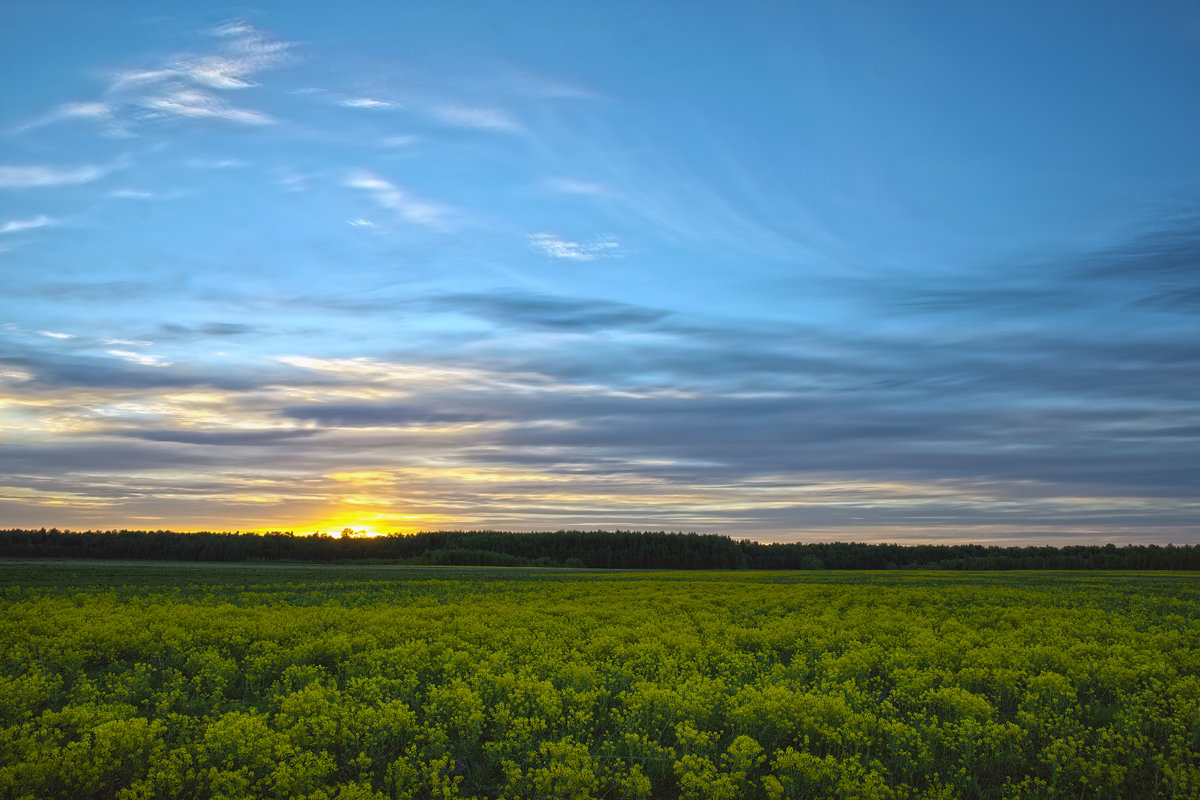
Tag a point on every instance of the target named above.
point(157, 680)
point(578, 549)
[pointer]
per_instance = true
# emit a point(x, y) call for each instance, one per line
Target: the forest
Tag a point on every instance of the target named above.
point(583, 549)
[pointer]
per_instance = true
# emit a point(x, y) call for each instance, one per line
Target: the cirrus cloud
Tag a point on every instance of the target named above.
point(490, 119)
point(18, 225)
point(399, 200)
point(41, 176)
point(549, 244)
point(182, 86)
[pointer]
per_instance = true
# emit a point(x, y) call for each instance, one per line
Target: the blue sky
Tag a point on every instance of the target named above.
point(786, 271)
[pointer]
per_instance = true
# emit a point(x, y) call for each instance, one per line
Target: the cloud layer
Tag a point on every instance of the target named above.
point(633, 416)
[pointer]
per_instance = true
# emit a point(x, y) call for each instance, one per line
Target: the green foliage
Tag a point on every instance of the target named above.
point(378, 683)
point(581, 549)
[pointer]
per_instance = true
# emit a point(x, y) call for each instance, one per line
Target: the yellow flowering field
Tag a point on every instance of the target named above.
point(207, 681)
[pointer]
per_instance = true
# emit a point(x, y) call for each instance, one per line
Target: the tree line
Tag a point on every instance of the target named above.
point(582, 549)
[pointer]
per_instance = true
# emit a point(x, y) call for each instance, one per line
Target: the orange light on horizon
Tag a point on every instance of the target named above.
point(380, 523)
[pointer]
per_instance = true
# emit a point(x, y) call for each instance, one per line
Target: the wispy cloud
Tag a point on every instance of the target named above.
point(569, 186)
point(1154, 270)
point(405, 140)
point(39, 176)
point(56, 335)
point(131, 194)
point(396, 199)
point(15, 375)
point(523, 309)
point(482, 118)
point(199, 104)
point(244, 53)
point(545, 86)
point(217, 163)
point(236, 438)
point(556, 247)
point(368, 102)
point(94, 111)
point(18, 225)
point(182, 86)
point(210, 329)
point(143, 359)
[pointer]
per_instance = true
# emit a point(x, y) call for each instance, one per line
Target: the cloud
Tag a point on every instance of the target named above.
point(104, 292)
point(235, 438)
point(18, 225)
point(210, 329)
point(80, 368)
point(15, 375)
point(1162, 264)
point(217, 163)
point(29, 177)
point(400, 201)
point(56, 335)
point(339, 415)
point(183, 86)
point(549, 312)
point(95, 110)
point(143, 359)
point(292, 181)
point(132, 194)
point(575, 187)
point(404, 140)
point(546, 86)
point(833, 459)
point(1156, 269)
point(227, 329)
point(653, 419)
point(234, 28)
point(481, 118)
point(65, 461)
point(199, 104)
point(244, 53)
point(556, 247)
point(368, 103)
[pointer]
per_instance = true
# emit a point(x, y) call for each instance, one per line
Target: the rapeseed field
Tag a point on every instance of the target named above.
point(203, 681)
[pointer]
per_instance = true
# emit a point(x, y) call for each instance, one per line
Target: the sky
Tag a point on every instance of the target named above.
point(785, 271)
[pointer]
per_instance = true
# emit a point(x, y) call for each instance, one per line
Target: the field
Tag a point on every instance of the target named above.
point(204, 681)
